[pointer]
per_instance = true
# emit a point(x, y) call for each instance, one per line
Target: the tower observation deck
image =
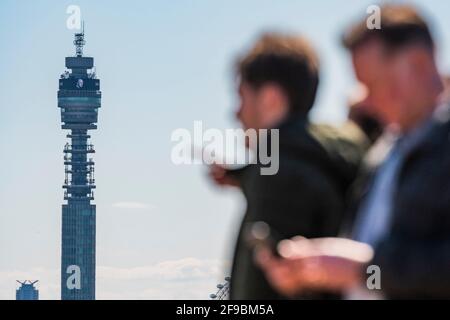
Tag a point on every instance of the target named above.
point(79, 98)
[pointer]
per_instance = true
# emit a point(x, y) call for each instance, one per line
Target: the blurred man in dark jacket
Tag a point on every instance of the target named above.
point(278, 80)
point(403, 211)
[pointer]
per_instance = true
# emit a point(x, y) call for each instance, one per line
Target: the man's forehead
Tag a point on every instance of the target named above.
point(244, 87)
point(369, 59)
point(371, 50)
point(240, 87)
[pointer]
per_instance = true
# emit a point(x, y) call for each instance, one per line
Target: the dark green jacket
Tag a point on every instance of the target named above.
point(306, 197)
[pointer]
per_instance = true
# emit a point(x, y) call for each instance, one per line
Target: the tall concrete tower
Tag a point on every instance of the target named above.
point(79, 98)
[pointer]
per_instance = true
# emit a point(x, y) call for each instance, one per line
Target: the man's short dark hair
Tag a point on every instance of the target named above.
point(286, 60)
point(401, 25)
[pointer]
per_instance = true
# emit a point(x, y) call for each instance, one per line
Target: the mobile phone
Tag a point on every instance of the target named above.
point(260, 234)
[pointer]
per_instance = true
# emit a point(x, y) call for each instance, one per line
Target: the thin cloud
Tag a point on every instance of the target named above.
point(187, 278)
point(133, 205)
point(173, 270)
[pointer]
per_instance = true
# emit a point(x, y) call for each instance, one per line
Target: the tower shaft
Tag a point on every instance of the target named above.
point(79, 98)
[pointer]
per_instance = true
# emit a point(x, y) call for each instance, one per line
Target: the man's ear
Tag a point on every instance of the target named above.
point(272, 98)
point(273, 105)
point(420, 60)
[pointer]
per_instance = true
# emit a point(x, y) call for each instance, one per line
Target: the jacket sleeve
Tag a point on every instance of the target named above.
point(299, 201)
point(414, 268)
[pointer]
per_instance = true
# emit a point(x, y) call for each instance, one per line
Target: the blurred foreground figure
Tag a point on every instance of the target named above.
point(278, 80)
point(403, 210)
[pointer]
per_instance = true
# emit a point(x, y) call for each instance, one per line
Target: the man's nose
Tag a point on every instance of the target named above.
point(366, 104)
point(237, 114)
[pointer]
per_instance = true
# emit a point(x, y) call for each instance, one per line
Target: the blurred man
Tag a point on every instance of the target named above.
point(405, 215)
point(278, 80)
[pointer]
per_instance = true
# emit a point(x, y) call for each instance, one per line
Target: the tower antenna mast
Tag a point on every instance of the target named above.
point(79, 41)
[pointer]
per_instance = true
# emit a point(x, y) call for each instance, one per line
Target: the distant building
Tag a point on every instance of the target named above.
point(27, 290)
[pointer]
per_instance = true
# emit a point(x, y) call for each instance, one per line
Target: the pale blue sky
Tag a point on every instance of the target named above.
point(162, 65)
